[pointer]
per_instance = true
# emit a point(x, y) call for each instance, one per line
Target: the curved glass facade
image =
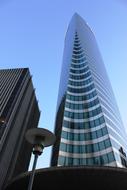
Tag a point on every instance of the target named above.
point(88, 127)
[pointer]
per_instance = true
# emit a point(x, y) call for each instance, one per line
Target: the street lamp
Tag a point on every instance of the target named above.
point(39, 138)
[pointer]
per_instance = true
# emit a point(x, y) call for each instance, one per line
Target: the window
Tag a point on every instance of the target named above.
point(80, 107)
point(107, 143)
point(97, 122)
point(86, 115)
point(101, 145)
point(63, 147)
point(111, 157)
point(96, 147)
point(92, 124)
point(86, 125)
point(76, 161)
point(90, 161)
point(64, 134)
point(87, 136)
point(104, 130)
point(105, 158)
point(76, 137)
point(69, 148)
point(89, 148)
point(82, 137)
point(76, 149)
point(70, 161)
point(90, 114)
point(97, 160)
point(94, 135)
point(83, 161)
point(61, 160)
point(70, 136)
point(101, 120)
point(99, 133)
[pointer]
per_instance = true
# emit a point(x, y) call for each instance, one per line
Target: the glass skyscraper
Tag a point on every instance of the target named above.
point(88, 126)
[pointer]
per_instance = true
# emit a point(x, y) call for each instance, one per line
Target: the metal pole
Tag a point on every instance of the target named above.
point(32, 173)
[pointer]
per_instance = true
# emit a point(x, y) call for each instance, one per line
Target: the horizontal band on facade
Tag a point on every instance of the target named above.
point(81, 94)
point(83, 120)
point(86, 135)
point(80, 131)
point(79, 74)
point(82, 106)
point(82, 110)
point(81, 102)
point(88, 155)
point(85, 149)
point(83, 114)
point(77, 52)
point(77, 43)
point(75, 48)
point(83, 83)
point(79, 57)
point(82, 90)
point(78, 61)
point(80, 87)
point(82, 98)
point(84, 125)
point(79, 67)
point(74, 142)
point(82, 66)
point(80, 80)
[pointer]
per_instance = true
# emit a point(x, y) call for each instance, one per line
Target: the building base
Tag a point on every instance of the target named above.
point(81, 177)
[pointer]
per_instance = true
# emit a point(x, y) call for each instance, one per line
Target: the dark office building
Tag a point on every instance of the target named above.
point(18, 112)
point(88, 127)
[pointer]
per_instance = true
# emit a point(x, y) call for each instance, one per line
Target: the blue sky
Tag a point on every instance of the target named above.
point(32, 35)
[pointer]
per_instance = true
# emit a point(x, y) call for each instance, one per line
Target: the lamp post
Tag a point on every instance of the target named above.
point(39, 138)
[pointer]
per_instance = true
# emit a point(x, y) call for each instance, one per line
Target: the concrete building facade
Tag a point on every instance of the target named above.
point(18, 112)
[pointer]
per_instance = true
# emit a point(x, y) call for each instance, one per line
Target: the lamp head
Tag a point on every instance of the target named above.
point(40, 136)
